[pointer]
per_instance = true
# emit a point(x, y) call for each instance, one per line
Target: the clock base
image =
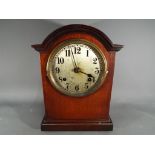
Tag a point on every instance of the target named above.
point(77, 125)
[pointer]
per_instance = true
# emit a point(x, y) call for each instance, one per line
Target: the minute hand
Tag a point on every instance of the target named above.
point(74, 60)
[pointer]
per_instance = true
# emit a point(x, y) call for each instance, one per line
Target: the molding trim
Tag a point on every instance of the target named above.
point(103, 38)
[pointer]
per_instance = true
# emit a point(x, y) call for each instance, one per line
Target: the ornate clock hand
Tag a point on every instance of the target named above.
point(73, 60)
point(89, 75)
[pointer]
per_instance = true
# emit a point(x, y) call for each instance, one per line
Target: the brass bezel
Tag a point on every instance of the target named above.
point(96, 49)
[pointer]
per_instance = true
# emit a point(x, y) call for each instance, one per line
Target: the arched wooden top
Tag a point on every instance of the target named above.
point(103, 38)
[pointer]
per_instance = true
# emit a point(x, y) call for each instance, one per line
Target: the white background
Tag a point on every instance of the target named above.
point(21, 99)
point(77, 144)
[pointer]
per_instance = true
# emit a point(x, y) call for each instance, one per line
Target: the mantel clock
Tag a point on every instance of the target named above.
point(77, 67)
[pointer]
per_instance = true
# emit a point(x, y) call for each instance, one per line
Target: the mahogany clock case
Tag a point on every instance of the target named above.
point(64, 112)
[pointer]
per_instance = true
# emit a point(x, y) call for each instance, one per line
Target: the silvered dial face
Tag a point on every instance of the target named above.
point(76, 68)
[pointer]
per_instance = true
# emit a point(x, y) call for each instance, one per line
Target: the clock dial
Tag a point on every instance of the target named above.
point(76, 68)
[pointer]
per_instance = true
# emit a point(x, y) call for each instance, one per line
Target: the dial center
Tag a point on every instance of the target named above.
point(76, 69)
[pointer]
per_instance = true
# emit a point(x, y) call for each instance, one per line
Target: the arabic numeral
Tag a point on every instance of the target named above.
point(94, 60)
point(87, 53)
point(67, 86)
point(86, 85)
point(68, 53)
point(77, 87)
point(57, 70)
point(60, 60)
point(97, 71)
point(62, 78)
point(77, 50)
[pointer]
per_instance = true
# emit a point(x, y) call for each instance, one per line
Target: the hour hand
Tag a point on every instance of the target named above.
point(89, 75)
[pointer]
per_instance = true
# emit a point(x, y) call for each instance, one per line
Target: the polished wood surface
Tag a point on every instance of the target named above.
point(76, 113)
